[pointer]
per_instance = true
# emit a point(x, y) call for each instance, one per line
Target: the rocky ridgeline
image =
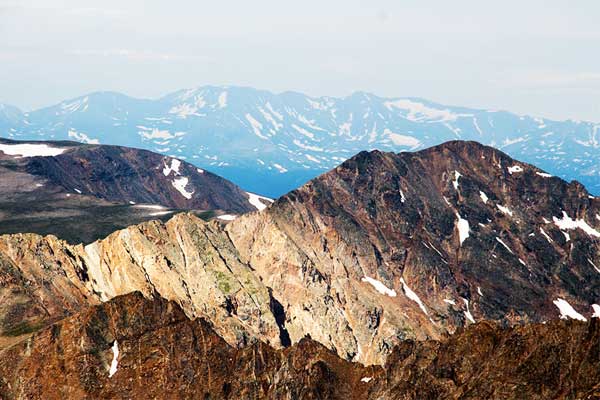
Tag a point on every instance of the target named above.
point(131, 347)
point(384, 248)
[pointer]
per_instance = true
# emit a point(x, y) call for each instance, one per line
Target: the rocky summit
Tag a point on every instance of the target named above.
point(434, 264)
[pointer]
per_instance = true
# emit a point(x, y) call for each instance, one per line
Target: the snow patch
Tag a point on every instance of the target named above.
point(567, 311)
point(256, 126)
point(366, 379)
point(419, 111)
point(227, 217)
point(505, 210)
point(457, 175)
point(596, 309)
point(463, 228)
point(567, 223)
point(504, 244)
point(548, 238)
point(82, 137)
point(280, 168)
point(468, 314)
point(515, 168)
point(412, 295)
point(115, 361)
point(30, 150)
point(175, 164)
point(255, 200)
point(483, 196)
point(380, 287)
point(543, 175)
point(594, 265)
point(402, 140)
point(180, 184)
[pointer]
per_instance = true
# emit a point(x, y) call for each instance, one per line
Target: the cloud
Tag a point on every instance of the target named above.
point(130, 54)
point(551, 79)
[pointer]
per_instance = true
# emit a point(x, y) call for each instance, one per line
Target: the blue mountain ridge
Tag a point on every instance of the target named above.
point(271, 143)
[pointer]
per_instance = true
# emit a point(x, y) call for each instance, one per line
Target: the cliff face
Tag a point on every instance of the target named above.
point(132, 347)
point(384, 248)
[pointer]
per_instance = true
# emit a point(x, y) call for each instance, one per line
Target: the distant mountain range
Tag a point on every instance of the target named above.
point(271, 143)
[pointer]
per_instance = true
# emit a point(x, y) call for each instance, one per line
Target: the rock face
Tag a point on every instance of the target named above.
point(384, 248)
point(59, 187)
point(413, 245)
point(132, 347)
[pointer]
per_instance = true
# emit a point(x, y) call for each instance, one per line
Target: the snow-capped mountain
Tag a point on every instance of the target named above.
point(271, 143)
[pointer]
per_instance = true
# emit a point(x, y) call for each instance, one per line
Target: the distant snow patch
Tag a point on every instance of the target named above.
point(227, 217)
point(175, 164)
point(255, 200)
point(567, 311)
point(596, 309)
point(380, 287)
point(180, 184)
point(155, 133)
point(402, 140)
point(463, 228)
point(115, 361)
point(504, 244)
point(548, 238)
point(82, 137)
point(567, 223)
point(515, 168)
point(450, 301)
point(483, 196)
point(280, 168)
point(412, 295)
point(366, 379)
point(468, 314)
point(505, 210)
point(543, 175)
point(256, 126)
point(594, 265)
point(457, 175)
point(30, 150)
point(419, 111)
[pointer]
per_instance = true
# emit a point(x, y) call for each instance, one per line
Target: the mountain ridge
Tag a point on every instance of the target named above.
point(271, 143)
point(368, 255)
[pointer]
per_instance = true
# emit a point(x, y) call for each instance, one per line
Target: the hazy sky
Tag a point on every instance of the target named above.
point(536, 57)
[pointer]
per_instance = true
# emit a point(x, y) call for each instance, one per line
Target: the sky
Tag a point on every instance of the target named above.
point(531, 57)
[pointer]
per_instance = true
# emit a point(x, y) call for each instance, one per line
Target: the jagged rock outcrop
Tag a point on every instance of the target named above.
point(384, 248)
point(135, 348)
